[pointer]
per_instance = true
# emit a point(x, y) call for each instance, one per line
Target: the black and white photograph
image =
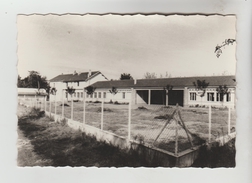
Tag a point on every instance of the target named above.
point(126, 90)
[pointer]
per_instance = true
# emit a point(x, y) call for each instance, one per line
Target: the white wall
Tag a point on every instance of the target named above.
point(60, 86)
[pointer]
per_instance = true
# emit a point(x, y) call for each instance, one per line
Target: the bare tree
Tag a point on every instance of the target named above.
point(149, 75)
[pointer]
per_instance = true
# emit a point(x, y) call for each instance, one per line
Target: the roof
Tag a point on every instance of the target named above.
point(31, 91)
point(74, 77)
point(162, 82)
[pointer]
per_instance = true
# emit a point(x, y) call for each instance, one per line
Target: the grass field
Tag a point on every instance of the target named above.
point(147, 122)
point(43, 142)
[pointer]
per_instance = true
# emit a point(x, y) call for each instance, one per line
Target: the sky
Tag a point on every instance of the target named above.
point(113, 44)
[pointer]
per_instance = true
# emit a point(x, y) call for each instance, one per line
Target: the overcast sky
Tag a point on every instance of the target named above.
point(114, 44)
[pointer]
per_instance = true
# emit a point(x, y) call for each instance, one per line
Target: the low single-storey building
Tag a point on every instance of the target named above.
point(167, 91)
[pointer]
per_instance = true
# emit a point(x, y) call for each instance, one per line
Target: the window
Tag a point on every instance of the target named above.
point(228, 97)
point(95, 95)
point(74, 94)
point(123, 95)
point(78, 94)
point(99, 94)
point(192, 96)
point(78, 84)
point(91, 95)
point(88, 95)
point(219, 97)
point(81, 94)
point(104, 94)
point(210, 96)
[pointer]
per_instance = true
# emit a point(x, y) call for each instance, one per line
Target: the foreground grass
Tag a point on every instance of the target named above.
point(54, 144)
point(223, 156)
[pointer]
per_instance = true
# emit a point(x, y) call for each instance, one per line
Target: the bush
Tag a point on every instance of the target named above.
point(65, 105)
point(116, 103)
point(97, 101)
point(142, 108)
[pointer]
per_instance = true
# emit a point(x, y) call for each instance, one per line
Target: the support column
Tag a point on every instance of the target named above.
point(185, 99)
point(149, 97)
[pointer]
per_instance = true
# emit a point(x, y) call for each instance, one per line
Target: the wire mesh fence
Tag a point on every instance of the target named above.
point(171, 128)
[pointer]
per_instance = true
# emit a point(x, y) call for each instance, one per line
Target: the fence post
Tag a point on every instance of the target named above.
point(36, 102)
point(176, 137)
point(55, 107)
point(72, 107)
point(102, 113)
point(84, 107)
point(45, 103)
point(209, 125)
point(63, 104)
point(229, 119)
point(129, 118)
point(50, 106)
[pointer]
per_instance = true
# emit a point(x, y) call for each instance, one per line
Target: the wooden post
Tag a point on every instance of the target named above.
point(129, 117)
point(229, 119)
point(209, 124)
point(102, 113)
point(84, 107)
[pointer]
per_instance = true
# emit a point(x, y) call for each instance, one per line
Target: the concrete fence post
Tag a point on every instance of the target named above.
point(229, 119)
point(129, 117)
point(36, 102)
point(102, 113)
point(209, 123)
point(55, 107)
point(176, 133)
point(50, 106)
point(45, 103)
point(72, 107)
point(84, 107)
point(63, 104)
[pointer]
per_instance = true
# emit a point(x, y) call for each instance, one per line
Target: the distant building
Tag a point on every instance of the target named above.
point(76, 80)
point(152, 91)
point(31, 93)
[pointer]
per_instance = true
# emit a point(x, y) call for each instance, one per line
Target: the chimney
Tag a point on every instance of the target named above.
point(89, 73)
point(135, 81)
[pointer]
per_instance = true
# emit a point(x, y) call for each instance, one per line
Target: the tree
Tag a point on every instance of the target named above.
point(201, 87)
point(126, 76)
point(222, 91)
point(71, 91)
point(167, 88)
point(113, 91)
point(90, 90)
point(33, 80)
point(218, 49)
point(149, 75)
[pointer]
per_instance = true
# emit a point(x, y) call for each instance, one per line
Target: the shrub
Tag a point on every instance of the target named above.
point(117, 103)
point(65, 105)
point(97, 101)
point(142, 108)
point(63, 122)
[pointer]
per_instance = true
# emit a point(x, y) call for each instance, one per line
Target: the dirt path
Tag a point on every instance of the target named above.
point(26, 154)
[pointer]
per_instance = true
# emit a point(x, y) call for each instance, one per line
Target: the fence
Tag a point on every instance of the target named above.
point(171, 128)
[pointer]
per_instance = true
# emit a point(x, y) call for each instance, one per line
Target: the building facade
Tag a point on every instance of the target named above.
point(154, 91)
point(76, 80)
